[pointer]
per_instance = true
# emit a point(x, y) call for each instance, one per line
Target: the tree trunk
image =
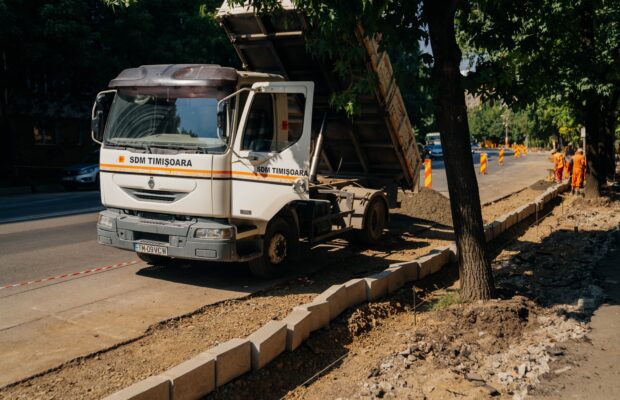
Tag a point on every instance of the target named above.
point(474, 266)
point(594, 150)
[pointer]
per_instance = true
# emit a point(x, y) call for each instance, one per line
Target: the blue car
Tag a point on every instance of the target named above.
point(435, 151)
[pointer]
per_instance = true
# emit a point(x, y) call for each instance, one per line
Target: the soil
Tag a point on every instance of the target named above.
point(498, 208)
point(176, 340)
point(427, 205)
point(547, 279)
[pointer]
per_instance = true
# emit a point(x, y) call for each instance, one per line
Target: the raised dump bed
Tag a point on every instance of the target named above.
point(377, 146)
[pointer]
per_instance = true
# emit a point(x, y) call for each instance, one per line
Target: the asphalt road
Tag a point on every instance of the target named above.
point(47, 205)
point(68, 306)
point(499, 181)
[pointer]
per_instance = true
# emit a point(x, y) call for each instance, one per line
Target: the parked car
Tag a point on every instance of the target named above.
point(435, 151)
point(82, 174)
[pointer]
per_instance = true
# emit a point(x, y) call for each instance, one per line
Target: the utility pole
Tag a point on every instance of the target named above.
point(506, 118)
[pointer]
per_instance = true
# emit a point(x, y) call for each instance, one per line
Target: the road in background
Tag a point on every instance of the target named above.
point(83, 310)
point(516, 174)
point(46, 205)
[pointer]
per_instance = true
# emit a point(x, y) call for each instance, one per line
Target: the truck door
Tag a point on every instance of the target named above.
point(271, 152)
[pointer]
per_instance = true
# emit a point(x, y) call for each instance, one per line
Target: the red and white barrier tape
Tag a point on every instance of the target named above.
point(72, 274)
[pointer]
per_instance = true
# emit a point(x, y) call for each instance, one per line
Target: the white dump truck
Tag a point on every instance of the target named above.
point(211, 163)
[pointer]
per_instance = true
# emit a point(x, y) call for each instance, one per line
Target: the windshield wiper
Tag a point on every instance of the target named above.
point(128, 145)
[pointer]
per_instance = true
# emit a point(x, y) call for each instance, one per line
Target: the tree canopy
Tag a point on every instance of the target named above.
point(57, 54)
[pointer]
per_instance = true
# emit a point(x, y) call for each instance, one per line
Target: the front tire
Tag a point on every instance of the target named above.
point(280, 245)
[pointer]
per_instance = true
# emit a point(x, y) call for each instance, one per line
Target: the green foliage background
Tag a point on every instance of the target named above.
point(58, 54)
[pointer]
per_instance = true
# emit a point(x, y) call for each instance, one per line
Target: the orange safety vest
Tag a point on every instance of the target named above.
point(579, 164)
point(558, 160)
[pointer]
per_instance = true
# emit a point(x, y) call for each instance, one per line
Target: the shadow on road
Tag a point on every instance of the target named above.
point(336, 260)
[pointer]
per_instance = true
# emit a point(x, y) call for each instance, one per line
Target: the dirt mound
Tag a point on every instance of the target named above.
point(369, 316)
point(428, 205)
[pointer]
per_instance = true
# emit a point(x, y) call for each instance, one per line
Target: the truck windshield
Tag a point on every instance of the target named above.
point(153, 120)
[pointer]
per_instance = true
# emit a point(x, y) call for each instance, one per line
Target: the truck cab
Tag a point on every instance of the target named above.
point(205, 162)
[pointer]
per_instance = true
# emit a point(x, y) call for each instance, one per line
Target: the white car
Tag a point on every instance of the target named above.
point(85, 173)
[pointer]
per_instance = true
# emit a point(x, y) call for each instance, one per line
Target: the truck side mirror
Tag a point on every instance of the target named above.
point(99, 113)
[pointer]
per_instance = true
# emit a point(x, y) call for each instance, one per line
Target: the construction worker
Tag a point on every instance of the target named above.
point(558, 165)
point(579, 172)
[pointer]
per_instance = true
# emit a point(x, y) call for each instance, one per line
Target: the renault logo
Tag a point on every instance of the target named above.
point(151, 182)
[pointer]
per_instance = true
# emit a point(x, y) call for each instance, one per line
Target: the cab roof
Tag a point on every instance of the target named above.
point(176, 75)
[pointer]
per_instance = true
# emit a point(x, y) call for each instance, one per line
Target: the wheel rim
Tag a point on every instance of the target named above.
point(277, 249)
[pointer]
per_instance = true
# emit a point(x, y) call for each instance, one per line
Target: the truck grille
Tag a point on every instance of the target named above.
point(155, 195)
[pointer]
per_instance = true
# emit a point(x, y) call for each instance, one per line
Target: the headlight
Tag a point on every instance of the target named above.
point(105, 221)
point(214, 233)
point(87, 170)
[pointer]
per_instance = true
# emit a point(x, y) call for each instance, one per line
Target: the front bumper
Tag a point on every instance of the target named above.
point(177, 236)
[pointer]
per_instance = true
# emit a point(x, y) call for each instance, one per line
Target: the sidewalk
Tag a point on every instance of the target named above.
point(593, 370)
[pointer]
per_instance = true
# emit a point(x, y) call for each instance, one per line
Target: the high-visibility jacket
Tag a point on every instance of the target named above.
point(579, 170)
point(558, 160)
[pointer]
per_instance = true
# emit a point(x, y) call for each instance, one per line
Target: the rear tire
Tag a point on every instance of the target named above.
point(153, 259)
point(375, 221)
point(280, 245)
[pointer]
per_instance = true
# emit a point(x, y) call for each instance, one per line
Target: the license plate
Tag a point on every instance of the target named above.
point(150, 249)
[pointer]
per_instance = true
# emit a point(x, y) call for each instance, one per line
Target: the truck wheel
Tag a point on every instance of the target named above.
point(279, 247)
point(375, 221)
point(153, 259)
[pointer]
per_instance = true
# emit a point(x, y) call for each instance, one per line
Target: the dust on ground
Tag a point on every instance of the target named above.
point(179, 339)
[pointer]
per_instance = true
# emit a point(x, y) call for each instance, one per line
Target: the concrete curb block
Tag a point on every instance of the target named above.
point(267, 343)
point(377, 285)
point(232, 359)
point(152, 388)
point(298, 326)
point(356, 292)
point(223, 363)
point(319, 314)
point(336, 296)
point(193, 378)
point(396, 279)
point(411, 270)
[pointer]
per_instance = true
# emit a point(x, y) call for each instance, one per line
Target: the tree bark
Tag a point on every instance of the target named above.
point(594, 149)
point(595, 141)
point(474, 266)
